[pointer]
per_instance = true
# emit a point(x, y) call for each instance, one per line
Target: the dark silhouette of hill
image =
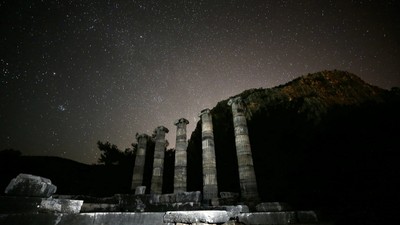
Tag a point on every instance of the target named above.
point(69, 176)
point(325, 140)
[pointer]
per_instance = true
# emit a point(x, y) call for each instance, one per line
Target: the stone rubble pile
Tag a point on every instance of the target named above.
point(33, 194)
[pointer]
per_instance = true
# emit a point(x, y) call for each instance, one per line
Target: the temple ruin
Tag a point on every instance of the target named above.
point(31, 198)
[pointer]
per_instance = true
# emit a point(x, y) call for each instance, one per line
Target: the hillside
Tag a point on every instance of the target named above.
point(325, 140)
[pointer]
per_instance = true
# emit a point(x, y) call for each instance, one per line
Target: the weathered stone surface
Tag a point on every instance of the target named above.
point(229, 198)
point(307, 217)
point(100, 207)
point(84, 219)
point(210, 185)
point(133, 203)
point(180, 175)
point(194, 196)
point(140, 190)
point(138, 170)
point(272, 207)
point(233, 222)
point(158, 163)
point(267, 218)
point(247, 177)
point(225, 194)
point(167, 198)
point(200, 216)
point(60, 205)
point(234, 210)
point(30, 186)
point(35, 205)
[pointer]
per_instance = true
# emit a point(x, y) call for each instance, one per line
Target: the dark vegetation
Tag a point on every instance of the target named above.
point(324, 141)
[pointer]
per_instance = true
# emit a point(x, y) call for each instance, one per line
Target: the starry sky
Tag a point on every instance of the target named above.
point(74, 72)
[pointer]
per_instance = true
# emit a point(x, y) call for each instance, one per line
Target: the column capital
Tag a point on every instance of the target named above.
point(204, 111)
point(181, 120)
point(161, 128)
point(236, 100)
point(140, 136)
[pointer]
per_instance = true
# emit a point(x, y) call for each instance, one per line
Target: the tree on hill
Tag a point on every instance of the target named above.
point(111, 155)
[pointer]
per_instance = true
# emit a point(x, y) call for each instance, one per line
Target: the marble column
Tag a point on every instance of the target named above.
point(138, 170)
point(158, 163)
point(247, 177)
point(210, 185)
point(180, 175)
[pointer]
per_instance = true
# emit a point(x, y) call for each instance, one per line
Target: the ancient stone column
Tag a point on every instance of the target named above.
point(138, 170)
point(158, 164)
point(210, 185)
point(180, 174)
point(247, 177)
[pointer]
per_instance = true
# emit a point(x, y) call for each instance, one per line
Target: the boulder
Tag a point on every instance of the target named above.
point(30, 186)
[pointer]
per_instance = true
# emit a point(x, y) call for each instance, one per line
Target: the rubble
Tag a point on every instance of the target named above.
point(30, 186)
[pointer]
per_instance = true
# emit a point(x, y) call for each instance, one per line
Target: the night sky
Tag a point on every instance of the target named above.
point(75, 72)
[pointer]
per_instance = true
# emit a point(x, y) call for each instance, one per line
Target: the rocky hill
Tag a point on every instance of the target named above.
point(325, 140)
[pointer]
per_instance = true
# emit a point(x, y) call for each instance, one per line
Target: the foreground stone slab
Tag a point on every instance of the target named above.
point(272, 207)
point(30, 186)
point(84, 219)
point(199, 216)
point(11, 204)
point(61, 205)
point(267, 218)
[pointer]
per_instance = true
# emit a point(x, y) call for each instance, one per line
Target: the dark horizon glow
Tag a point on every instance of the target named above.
point(75, 72)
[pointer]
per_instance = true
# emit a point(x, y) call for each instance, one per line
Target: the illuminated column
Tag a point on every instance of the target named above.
point(158, 164)
point(247, 177)
point(138, 170)
point(180, 175)
point(210, 185)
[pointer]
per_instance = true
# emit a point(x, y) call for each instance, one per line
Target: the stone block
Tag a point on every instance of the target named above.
point(194, 196)
point(268, 218)
point(35, 205)
point(60, 205)
point(272, 207)
point(234, 210)
point(30, 186)
point(107, 218)
point(140, 190)
point(133, 203)
point(167, 198)
point(307, 217)
point(199, 216)
point(99, 207)
point(154, 199)
point(225, 194)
